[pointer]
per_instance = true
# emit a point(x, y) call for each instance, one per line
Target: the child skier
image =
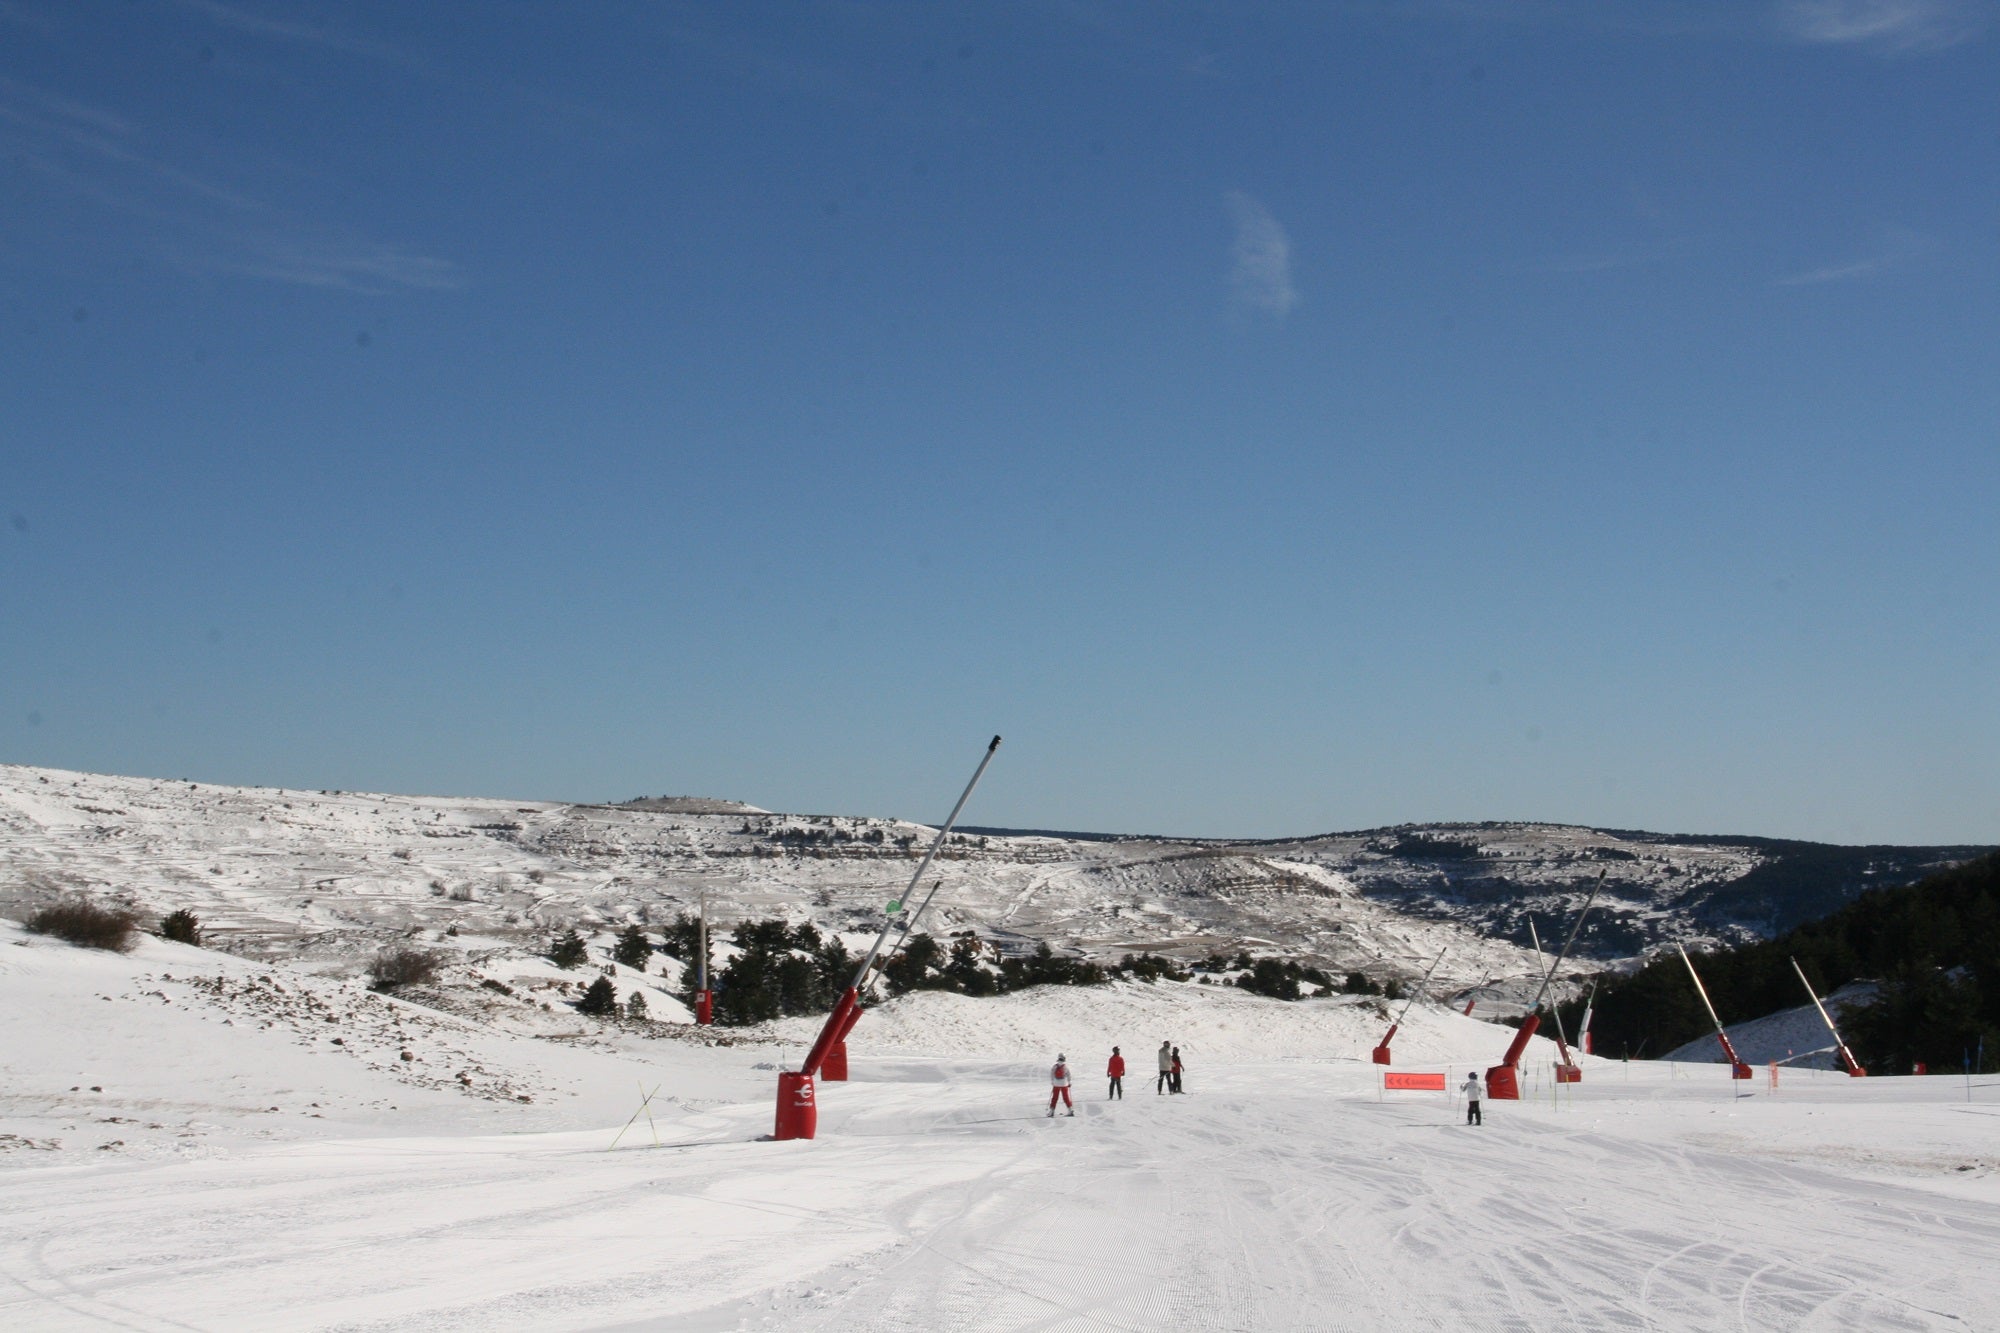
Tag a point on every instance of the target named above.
point(1059, 1085)
point(1474, 1090)
point(1116, 1073)
point(1174, 1074)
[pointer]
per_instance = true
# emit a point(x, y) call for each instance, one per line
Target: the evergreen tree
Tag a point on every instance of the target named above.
point(1270, 977)
point(567, 950)
point(601, 1000)
point(633, 948)
point(635, 1006)
point(917, 966)
point(682, 939)
point(966, 975)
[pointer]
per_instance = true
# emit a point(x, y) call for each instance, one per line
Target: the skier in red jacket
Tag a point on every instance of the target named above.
point(1116, 1072)
point(1059, 1085)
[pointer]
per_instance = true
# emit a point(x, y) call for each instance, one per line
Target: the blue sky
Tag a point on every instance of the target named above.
point(1272, 422)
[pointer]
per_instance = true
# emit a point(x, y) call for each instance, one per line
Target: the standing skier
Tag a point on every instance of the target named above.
point(1116, 1073)
point(1174, 1074)
point(1166, 1067)
point(1059, 1085)
point(1474, 1090)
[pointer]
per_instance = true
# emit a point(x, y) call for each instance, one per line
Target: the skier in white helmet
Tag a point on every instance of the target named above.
point(1059, 1086)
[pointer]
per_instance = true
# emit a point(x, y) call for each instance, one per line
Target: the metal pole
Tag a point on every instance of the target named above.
point(943, 831)
point(701, 966)
point(1562, 1038)
point(909, 921)
point(1421, 984)
point(1846, 1056)
point(1700, 989)
point(1595, 889)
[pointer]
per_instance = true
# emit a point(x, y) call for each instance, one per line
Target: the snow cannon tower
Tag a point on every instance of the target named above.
point(1847, 1060)
point(798, 1108)
point(704, 998)
point(1381, 1055)
point(1737, 1069)
point(1503, 1081)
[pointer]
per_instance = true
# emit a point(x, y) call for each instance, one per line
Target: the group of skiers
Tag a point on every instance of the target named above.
point(1169, 1080)
point(1474, 1087)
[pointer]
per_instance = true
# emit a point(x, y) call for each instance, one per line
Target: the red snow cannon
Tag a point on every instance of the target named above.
point(798, 1113)
point(1503, 1081)
point(704, 1007)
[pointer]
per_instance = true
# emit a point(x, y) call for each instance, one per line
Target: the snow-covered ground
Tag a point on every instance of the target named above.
point(201, 1153)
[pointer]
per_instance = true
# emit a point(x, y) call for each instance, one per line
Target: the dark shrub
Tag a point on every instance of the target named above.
point(182, 927)
point(402, 967)
point(91, 925)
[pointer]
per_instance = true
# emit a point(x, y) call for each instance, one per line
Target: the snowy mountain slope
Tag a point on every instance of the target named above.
point(334, 875)
point(1286, 1191)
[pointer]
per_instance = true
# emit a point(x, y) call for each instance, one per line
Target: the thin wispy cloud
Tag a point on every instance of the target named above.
point(1889, 27)
point(1898, 250)
point(260, 24)
point(1260, 258)
point(334, 265)
point(1898, 26)
point(198, 223)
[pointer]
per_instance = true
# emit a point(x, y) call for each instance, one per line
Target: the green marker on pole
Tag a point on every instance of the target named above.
point(895, 905)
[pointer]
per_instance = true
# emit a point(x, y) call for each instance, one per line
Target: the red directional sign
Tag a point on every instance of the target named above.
point(1413, 1082)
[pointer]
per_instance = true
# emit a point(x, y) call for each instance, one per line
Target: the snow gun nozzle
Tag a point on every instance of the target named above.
point(994, 746)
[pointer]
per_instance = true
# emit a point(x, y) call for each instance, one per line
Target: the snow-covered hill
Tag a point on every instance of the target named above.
point(331, 876)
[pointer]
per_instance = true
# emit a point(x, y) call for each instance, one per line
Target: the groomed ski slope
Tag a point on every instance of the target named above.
point(1278, 1194)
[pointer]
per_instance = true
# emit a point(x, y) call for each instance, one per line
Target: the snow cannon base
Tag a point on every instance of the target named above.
point(1503, 1081)
point(833, 1069)
point(1381, 1056)
point(798, 1112)
point(1568, 1074)
point(704, 1007)
point(1741, 1070)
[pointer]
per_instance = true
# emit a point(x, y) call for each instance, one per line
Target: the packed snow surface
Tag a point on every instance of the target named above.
point(190, 1140)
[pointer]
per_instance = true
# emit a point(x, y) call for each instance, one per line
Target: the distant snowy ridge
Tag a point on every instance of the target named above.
point(334, 875)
